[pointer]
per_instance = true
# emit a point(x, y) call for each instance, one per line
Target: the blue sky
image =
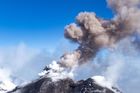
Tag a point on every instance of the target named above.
point(40, 23)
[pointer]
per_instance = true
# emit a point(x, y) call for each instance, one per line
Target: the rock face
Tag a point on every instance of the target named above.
point(46, 85)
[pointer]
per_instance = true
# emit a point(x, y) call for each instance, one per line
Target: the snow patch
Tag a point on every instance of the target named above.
point(100, 80)
point(6, 83)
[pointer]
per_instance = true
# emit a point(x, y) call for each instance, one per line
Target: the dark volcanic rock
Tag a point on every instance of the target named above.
point(45, 85)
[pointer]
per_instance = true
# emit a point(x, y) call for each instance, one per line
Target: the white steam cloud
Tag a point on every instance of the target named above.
point(21, 60)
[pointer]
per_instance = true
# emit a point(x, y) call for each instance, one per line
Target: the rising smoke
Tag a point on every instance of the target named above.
point(94, 34)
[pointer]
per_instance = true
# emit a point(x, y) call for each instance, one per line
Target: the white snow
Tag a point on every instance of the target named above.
point(7, 85)
point(42, 73)
point(5, 81)
point(100, 80)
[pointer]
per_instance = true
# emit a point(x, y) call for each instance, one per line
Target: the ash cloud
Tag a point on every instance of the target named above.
point(93, 33)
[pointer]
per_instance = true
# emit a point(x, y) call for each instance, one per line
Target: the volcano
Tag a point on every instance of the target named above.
point(95, 84)
point(92, 34)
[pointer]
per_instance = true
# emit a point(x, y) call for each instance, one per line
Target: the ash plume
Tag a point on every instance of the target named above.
point(93, 33)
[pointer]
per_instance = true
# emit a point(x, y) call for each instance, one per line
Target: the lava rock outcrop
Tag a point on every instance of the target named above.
point(46, 85)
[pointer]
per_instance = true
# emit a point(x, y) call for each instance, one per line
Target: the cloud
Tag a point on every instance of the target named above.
point(25, 62)
point(22, 60)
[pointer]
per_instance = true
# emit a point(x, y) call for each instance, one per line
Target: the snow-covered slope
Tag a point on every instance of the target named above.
point(46, 85)
point(6, 83)
point(56, 80)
